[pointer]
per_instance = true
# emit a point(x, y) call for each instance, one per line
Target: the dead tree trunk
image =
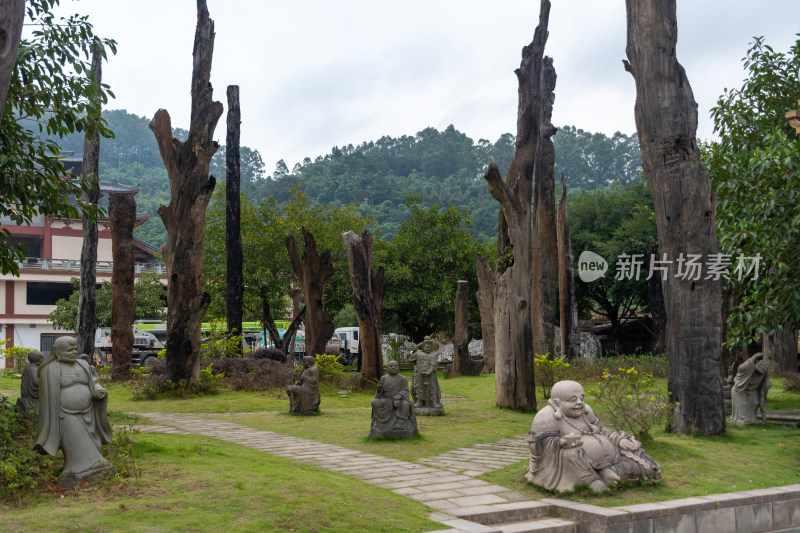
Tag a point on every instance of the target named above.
point(545, 250)
point(666, 121)
point(233, 224)
point(514, 381)
point(184, 218)
point(485, 298)
point(313, 273)
point(12, 15)
point(368, 290)
point(87, 308)
point(655, 301)
point(463, 365)
point(570, 339)
point(123, 304)
point(781, 345)
point(287, 343)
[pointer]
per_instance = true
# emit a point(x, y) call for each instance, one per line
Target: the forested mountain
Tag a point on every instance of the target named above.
point(441, 167)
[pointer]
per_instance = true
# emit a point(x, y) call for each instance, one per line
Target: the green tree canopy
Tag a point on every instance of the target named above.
point(614, 222)
point(755, 170)
point(148, 291)
point(50, 92)
point(431, 252)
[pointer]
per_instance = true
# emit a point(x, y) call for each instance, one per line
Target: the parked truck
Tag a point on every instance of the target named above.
point(145, 347)
point(349, 347)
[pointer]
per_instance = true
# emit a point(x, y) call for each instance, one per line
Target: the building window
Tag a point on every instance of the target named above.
point(46, 293)
point(32, 243)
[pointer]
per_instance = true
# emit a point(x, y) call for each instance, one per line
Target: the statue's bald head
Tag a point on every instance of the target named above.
point(564, 389)
point(65, 349)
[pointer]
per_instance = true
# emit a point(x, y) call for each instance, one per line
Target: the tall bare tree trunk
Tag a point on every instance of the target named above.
point(123, 304)
point(485, 296)
point(514, 382)
point(655, 301)
point(313, 273)
point(87, 308)
point(368, 290)
point(463, 365)
point(666, 121)
point(184, 218)
point(781, 345)
point(233, 224)
point(570, 339)
point(545, 250)
point(12, 15)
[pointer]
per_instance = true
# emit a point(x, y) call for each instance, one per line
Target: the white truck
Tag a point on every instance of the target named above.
point(349, 337)
point(145, 347)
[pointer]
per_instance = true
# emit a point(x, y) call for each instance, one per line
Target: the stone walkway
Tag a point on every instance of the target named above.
point(452, 494)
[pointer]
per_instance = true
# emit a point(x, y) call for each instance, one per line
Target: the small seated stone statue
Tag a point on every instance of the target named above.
point(749, 391)
point(570, 447)
point(304, 395)
point(392, 415)
point(424, 383)
point(72, 413)
point(28, 401)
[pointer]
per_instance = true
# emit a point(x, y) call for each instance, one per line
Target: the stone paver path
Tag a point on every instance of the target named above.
point(481, 458)
point(448, 492)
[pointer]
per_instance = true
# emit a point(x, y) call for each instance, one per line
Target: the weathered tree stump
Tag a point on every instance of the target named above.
point(368, 291)
point(544, 301)
point(233, 223)
point(570, 338)
point(485, 296)
point(514, 381)
point(463, 365)
point(122, 210)
point(87, 303)
point(187, 165)
point(313, 273)
point(666, 121)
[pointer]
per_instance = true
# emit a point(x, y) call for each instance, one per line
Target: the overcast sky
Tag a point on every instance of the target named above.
point(314, 74)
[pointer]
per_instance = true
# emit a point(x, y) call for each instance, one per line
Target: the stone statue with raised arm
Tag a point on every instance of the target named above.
point(72, 413)
point(424, 383)
point(392, 414)
point(304, 395)
point(28, 401)
point(570, 447)
point(749, 391)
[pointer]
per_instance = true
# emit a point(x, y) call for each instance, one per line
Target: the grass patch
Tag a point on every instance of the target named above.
point(10, 382)
point(192, 483)
point(746, 457)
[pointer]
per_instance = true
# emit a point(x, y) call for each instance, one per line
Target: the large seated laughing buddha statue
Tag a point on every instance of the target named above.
point(570, 447)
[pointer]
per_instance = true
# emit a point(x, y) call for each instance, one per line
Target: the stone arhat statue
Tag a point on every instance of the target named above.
point(28, 401)
point(392, 414)
point(569, 446)
point(304, 395)
point(424, 383)
point(749, 391)
point(72, 413)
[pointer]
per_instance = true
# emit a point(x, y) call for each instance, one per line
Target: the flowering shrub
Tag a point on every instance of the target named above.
point(330, 369)
point(549, 371)
point(632, 402)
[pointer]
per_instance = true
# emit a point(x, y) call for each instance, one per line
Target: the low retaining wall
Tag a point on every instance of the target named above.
point(751, 511)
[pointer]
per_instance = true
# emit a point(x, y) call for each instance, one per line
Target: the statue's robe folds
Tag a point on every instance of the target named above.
point(750, 387)
point(28, 400)
point(392, 415)
point(304, 397)
point(561, 469)
point(70, 418)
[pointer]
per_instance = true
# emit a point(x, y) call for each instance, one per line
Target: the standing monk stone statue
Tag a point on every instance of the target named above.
point(72, 413)
point(304, 395)
point(749, 391)
point(569, 447)
point(424, 384)
point(392, 415)
point(28, 401)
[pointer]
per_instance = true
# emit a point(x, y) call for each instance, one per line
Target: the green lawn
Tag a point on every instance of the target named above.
point(190, 483)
